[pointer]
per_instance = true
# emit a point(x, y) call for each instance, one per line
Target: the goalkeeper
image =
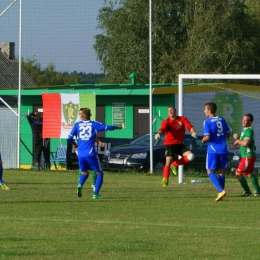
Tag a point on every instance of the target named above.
point(174, 129)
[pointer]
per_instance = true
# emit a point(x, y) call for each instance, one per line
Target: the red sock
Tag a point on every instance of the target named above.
point(181, 161)
point(166, 172)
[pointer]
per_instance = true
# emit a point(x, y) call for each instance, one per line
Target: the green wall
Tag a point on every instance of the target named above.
point(160, 105)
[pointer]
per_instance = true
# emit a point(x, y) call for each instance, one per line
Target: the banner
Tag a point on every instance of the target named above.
point(60, 112)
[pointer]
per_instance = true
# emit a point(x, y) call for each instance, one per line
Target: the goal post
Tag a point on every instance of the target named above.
point(182, 77)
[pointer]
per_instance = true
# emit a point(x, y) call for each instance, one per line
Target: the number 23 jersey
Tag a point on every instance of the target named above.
point(86, 131)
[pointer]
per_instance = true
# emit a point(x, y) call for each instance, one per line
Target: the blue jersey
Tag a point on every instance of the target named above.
point(86, 131)
point(217, 128)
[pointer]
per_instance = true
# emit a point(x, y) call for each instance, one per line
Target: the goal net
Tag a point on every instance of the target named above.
point(233, 101)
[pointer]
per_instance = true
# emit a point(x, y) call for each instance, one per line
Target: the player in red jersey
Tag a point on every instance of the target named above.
point(174, 128)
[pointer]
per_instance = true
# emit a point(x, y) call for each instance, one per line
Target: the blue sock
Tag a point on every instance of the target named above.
point(99, 182)
point(214, 179)
point(222, 179)
point(82, 179)
point(1, 174)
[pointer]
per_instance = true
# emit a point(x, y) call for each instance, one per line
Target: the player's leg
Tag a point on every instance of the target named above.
point(93, 180)
point(96, 166)
point(211, 164)
point(166, 171)
point(241, 171)
point(2, 184)
point(186, 155)
point(253, 178)
point(222, 164)
point(83, 166)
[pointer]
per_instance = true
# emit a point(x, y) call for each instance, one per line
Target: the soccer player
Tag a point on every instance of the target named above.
point(2, 184)
point(246, 140)
point(85, 131)
point(93, 173)
point(174, 129)
point(216, 131)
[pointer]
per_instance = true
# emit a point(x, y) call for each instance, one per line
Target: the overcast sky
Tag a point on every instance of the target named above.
point(57, 31)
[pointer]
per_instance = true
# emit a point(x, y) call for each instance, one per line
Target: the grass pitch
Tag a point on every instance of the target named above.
point(42, 218)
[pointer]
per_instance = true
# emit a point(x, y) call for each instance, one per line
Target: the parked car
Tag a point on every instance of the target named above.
point(236, 160)
point(136, 155)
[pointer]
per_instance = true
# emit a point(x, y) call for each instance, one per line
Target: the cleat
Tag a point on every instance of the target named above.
point(165, 182)
point(246, 194)
point(174, 169)
point(256, 194)
point(221, 195)
point(79, 191)
point(97, 197)
point(4, 186)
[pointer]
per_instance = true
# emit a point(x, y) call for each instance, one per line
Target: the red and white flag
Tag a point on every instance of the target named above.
point(60, 112)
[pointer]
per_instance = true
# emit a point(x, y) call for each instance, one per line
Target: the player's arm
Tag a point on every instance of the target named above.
point(206, 132)
point(190, 127)
point(161, 130)
point(101, 127)
point(99, 142)
point(71, 137)
point(236, 136)
point(193, 133)
point(244, 142)
point(205, 139)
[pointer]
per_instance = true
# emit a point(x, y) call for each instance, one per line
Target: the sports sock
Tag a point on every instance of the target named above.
point(255, 183)
point(215, 181)
point(82, 179)
point(222, 180)
point(94, 177)
point(99, 182)
point(166, 172)
point(244, 184)
point(181, 161)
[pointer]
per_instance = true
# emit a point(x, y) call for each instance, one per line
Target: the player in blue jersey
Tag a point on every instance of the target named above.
point(2, 184)
point(85, 132)
point(215, 133)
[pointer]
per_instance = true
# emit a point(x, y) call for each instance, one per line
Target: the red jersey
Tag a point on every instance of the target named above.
point(174, 129)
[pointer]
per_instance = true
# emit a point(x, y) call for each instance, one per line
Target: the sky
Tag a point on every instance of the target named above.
point(54, 31)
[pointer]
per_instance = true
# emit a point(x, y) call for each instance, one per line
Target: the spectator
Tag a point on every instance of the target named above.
point(40, 144)
point(2, 183)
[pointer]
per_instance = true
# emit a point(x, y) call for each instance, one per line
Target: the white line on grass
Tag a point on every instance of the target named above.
point(127, 223)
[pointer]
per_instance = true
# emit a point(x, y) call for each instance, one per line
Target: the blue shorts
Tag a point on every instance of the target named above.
point(216, 161)
point(89, 163)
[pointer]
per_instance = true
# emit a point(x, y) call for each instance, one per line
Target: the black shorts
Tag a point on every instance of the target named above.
point(175, 149)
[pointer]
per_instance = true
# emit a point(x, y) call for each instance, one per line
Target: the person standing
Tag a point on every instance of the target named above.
point(246, 141)
point(215, 133)
point(85, 132)
point(2, 183)
point(40, 144)
point(174, 130)
point(93, 173)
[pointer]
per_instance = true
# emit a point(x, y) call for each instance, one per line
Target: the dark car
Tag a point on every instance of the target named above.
point(136, 155)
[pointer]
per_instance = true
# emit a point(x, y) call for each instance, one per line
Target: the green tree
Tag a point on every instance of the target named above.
point(203, 36)
point(48, 76)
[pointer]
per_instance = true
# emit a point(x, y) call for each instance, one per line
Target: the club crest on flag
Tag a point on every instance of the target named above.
point(70, 113)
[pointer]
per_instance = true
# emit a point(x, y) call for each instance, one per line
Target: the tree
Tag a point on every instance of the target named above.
point(48, 76)
point(203, 36)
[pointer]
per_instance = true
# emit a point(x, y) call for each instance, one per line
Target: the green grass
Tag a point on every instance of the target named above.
point(42, 218)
